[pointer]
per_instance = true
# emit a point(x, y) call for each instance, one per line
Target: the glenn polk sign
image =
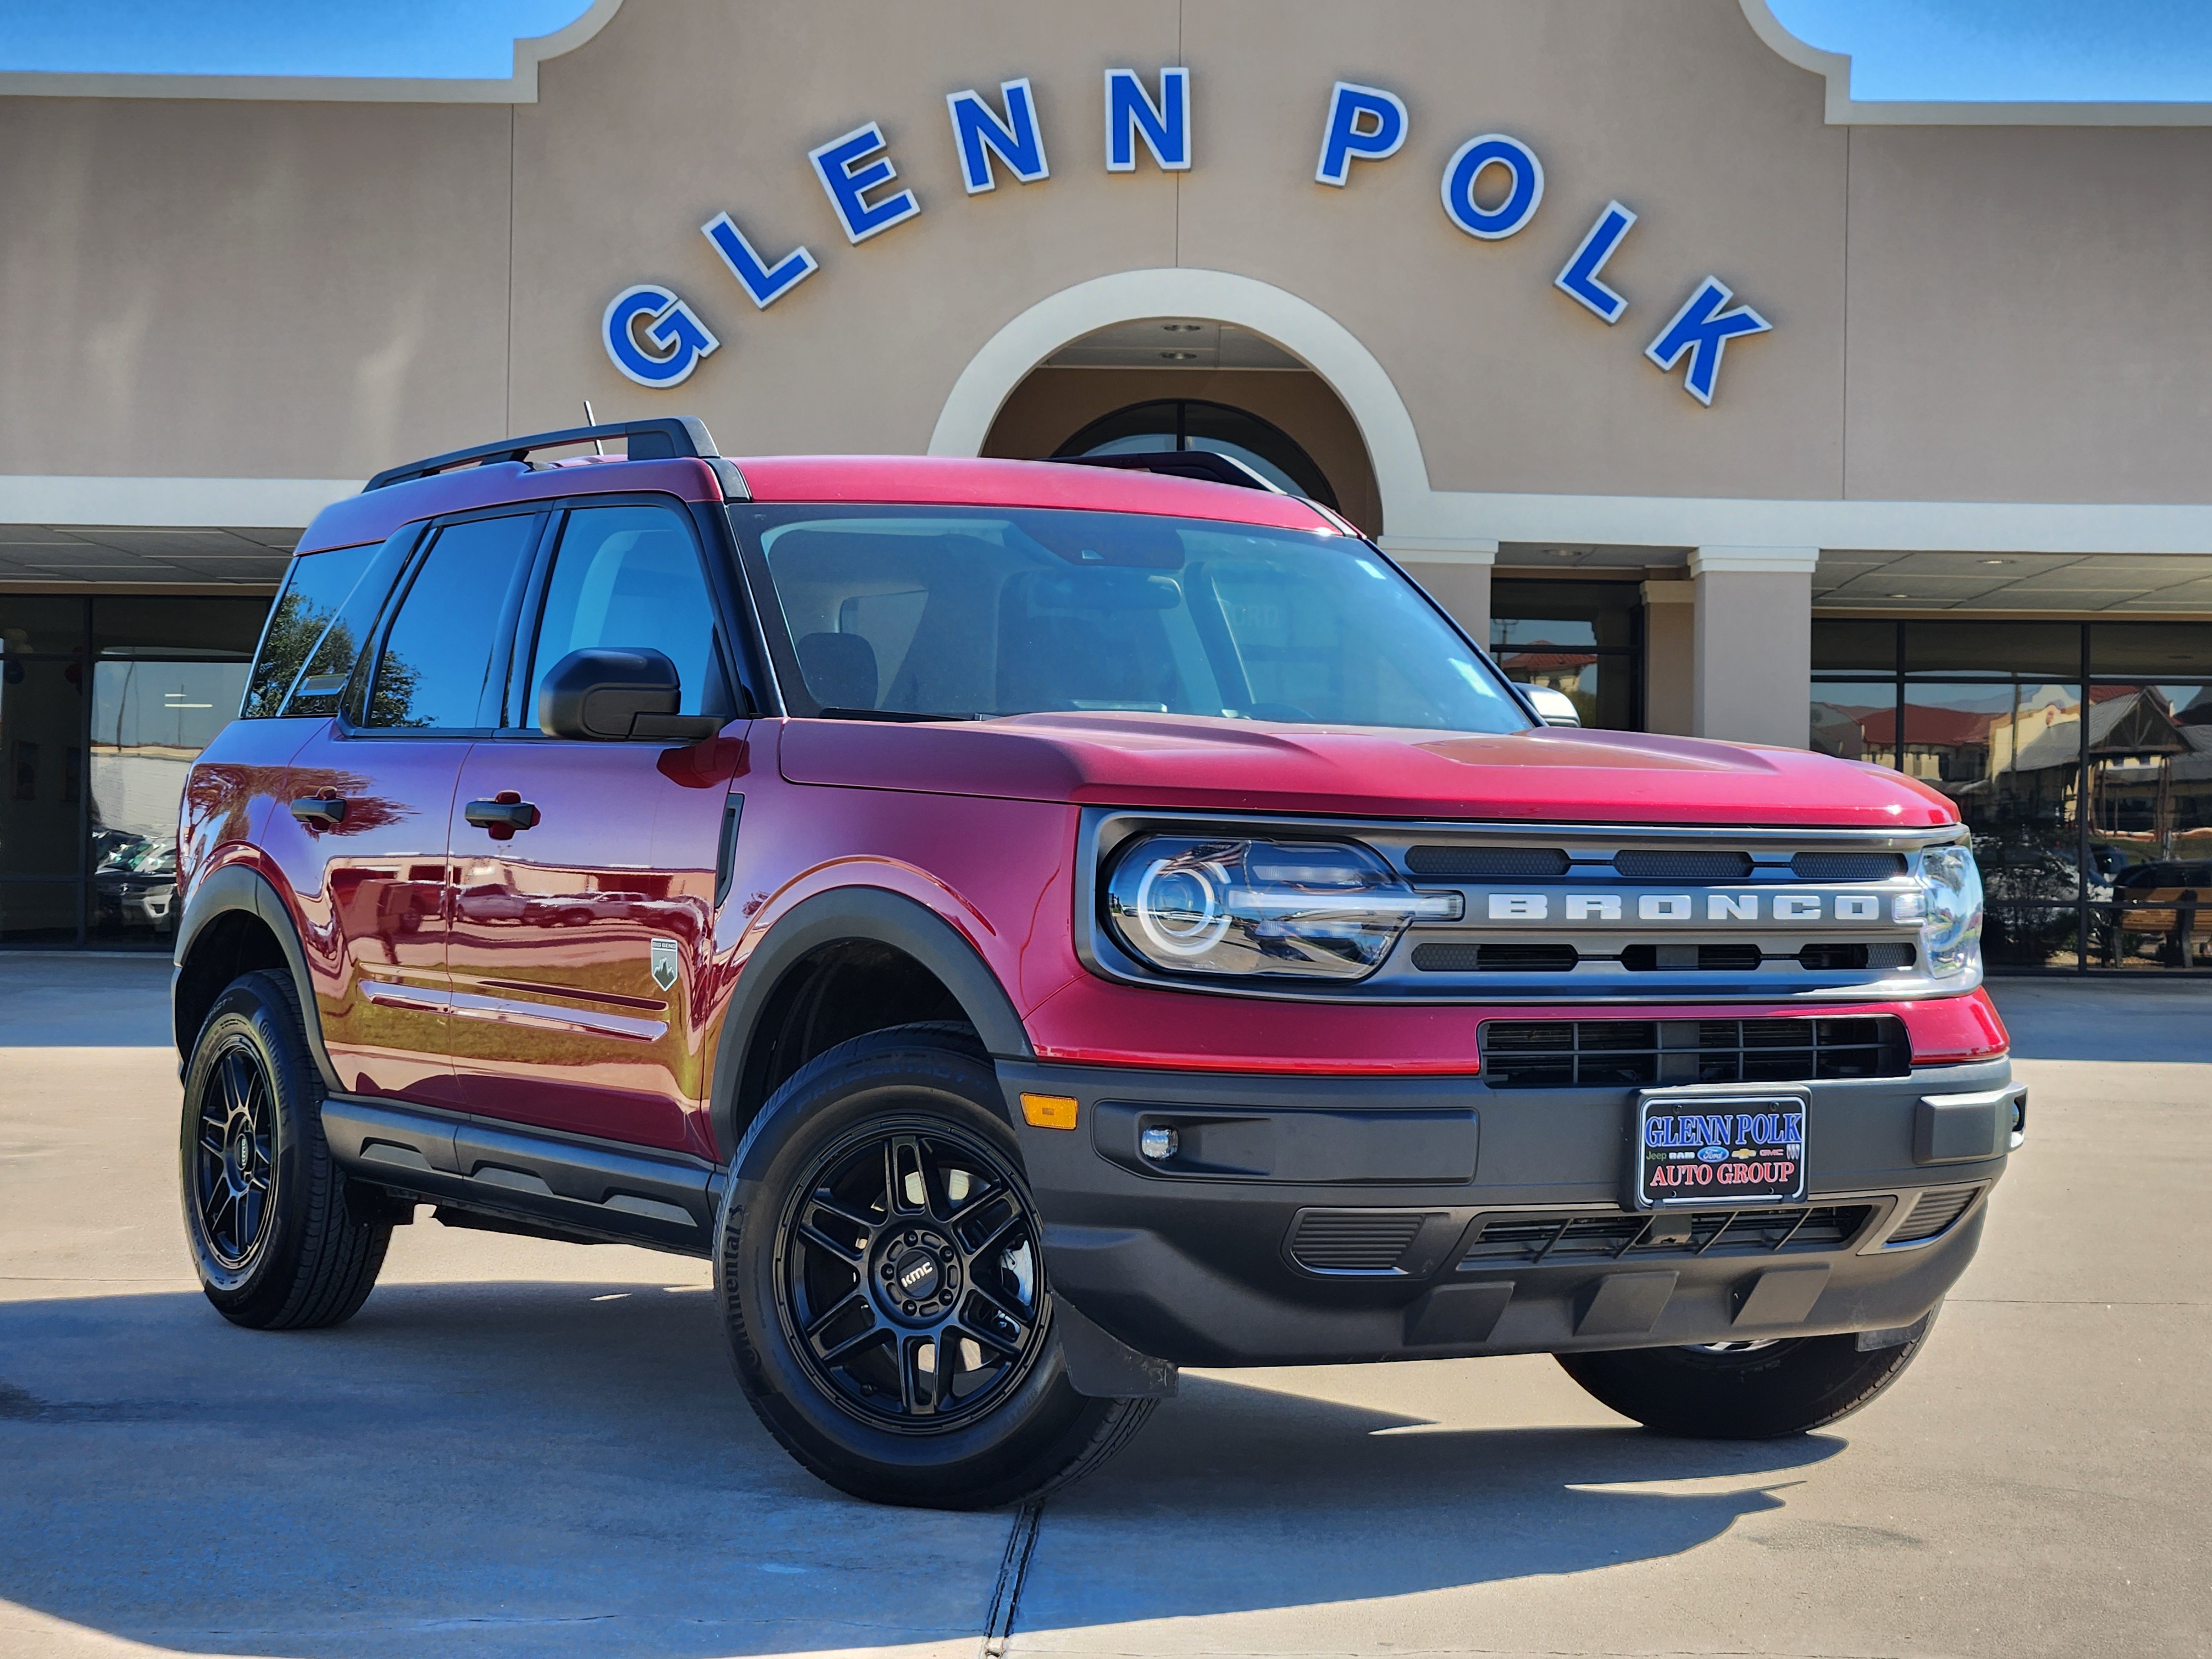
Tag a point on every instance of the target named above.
point(1491, 188)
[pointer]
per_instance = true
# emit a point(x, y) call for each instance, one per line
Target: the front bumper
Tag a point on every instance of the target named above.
point(1306, 1220)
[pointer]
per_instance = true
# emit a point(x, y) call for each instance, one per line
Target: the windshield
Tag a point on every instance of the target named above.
point(971, 612)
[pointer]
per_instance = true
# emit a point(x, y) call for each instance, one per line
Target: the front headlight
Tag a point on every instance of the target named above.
point(1313, 909)
point(1951, 933)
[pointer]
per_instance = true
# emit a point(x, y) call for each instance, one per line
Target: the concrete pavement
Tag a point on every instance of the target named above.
point(531, 1448)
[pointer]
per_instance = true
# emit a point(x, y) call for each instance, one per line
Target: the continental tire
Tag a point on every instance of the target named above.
point(881, 1275)
point(265, 1212)
point(1743, 1391)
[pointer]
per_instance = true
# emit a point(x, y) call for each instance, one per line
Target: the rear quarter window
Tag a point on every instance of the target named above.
point(315, 587)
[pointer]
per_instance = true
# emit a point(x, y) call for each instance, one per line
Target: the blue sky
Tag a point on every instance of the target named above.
point(1904, 49)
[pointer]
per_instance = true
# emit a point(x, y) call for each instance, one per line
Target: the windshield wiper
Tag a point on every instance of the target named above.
point(836, 714)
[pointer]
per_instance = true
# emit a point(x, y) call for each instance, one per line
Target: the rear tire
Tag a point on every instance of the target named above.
point(882, 1283)
point(1743, 1391)
point(273, 1240)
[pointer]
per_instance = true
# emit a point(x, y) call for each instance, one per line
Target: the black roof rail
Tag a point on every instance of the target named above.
point(1204, 465)
point(662, 438)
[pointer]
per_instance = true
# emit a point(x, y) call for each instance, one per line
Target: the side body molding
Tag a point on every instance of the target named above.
point(882, 917)
point(237, 887)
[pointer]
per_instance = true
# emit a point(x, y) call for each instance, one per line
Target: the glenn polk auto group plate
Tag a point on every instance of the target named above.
point(1715, 1149)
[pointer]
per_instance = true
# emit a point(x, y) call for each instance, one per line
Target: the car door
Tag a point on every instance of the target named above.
point(584, 915)
point(387, 767)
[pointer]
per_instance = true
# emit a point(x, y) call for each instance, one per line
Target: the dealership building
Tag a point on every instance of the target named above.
point(1725, 403)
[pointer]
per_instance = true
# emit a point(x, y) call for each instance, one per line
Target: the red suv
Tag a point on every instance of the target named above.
point(1034, 925)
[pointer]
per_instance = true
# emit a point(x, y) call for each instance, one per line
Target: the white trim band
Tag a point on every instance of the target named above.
point(170, 503)
point(1753, 561)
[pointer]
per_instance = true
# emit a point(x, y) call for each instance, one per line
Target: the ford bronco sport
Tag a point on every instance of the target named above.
point(1036, 926)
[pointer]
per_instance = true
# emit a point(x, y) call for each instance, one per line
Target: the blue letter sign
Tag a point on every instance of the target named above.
point(1524, 188)
point(1580, 280)
point(1703, 329)
point(668, 323)
point(1363, 122)
point(1131, 114)
point(765, 282)
point(978, 134)
point(848, 175)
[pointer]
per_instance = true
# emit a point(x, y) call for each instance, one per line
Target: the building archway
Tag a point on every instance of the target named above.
point(1298, 348)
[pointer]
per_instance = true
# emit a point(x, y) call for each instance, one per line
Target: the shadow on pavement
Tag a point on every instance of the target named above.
point(533, 1467)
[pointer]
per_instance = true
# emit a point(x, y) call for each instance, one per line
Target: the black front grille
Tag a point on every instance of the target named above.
point(1636, 1053)
point(1505, 863)
point(1495, 958)
point(1685, 864)
point(1847, 866)
point(1934, 1213)
point(1560, 1239)
point(1686, 958)
point(1830, 957)
point(1352, 1241)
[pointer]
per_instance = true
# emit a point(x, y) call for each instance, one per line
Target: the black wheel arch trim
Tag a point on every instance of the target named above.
point(237, 887)
point(878, 916)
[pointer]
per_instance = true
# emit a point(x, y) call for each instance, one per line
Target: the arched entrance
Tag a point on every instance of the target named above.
point(1190, 383)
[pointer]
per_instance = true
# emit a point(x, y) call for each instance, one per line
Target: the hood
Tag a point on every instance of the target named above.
point(1187, 763)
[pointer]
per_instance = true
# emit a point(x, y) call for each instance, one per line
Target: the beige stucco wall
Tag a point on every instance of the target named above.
point(263, 290)
point(249, 289)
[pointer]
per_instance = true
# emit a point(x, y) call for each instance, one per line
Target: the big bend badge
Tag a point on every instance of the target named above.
point(664, 963)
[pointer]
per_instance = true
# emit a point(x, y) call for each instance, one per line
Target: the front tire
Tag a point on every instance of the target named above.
point(273, 1240)
point(882, 1279)
point(1743, 1390)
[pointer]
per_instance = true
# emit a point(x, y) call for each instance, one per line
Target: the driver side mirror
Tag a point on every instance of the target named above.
point(607, 694)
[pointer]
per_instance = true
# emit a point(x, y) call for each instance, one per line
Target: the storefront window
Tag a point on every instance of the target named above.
point(104, 703)
point(1192, 423)
point(1586, 638)
point(2091, 812)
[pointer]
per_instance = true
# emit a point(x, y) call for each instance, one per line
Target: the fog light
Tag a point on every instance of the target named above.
point(1158, 1143)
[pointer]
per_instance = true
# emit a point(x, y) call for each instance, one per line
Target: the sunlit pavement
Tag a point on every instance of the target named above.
point(533, 1448)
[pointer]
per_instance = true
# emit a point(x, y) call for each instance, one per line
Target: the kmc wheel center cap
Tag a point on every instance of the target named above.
point(917, 1276)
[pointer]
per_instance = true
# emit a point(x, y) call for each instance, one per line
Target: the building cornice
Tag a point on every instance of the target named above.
point(1845, 110)
point(520, 87)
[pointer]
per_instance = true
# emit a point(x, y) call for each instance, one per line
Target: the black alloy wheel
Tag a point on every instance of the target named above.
point(910, 1284)
point(277, 1238)
point(232, 1169)
point(880, 1264)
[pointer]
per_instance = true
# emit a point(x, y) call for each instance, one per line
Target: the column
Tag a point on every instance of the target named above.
point(1455, 573)
point(1670, 655)
point(1753, 678)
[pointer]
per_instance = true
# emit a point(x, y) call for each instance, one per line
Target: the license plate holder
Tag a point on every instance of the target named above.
point(1708, 1149)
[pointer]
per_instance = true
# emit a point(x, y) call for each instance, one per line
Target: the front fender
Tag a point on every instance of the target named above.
point(882, 917)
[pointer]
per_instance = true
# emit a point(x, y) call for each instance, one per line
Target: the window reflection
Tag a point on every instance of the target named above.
point(2091, 811)
point(1583, 638)
point(149, 721)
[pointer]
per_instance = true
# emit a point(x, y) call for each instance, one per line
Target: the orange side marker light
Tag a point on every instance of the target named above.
point(1048, 1111)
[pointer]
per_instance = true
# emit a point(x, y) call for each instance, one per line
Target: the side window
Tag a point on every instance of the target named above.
point(314, 588)
point(438, 656)
point(626, 577)
point(322, 681)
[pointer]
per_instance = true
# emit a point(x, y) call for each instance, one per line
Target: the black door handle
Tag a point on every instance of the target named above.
point(507, 813)
point(327, 811)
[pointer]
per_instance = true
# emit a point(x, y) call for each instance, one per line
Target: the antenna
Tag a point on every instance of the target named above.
point(590, 419)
